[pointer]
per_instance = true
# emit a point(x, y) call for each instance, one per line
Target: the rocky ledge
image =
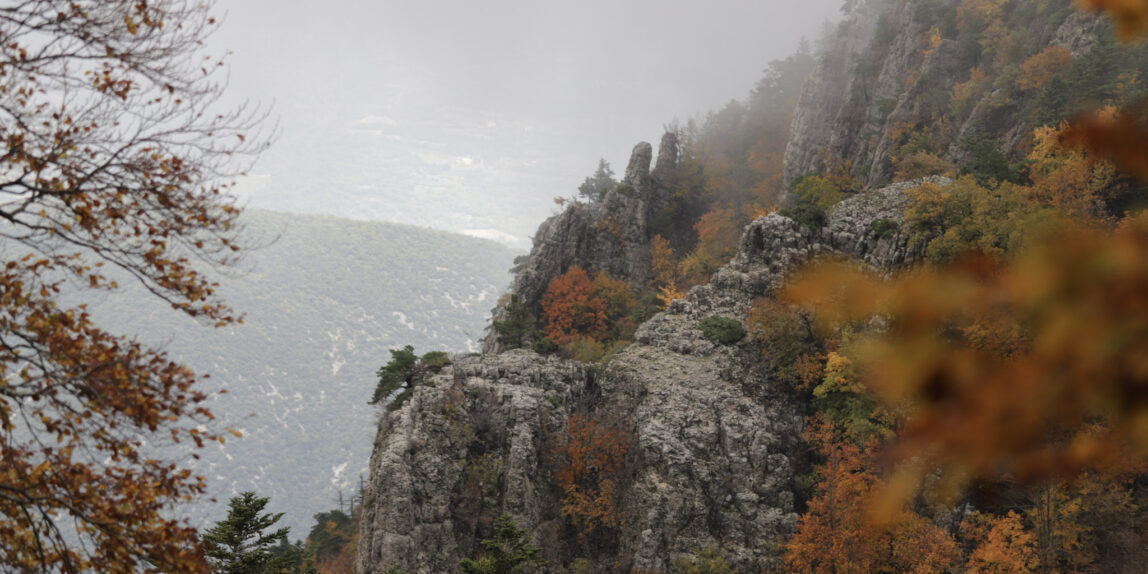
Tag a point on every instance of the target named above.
point(713, 438)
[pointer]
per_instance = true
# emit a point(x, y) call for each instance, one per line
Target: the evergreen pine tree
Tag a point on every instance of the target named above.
point(518, 327)
point(240, 545)
point(594, 188)
point(395, 373)
point(509, 552)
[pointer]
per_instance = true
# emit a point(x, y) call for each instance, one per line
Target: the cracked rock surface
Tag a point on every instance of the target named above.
point(713, 438)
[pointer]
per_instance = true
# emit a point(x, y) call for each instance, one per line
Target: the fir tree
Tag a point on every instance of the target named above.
point(509, 552)
point(518, 327)
point(240, 545)
point(596, 186)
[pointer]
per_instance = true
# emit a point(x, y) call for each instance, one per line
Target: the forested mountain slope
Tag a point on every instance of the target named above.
point(653, 398)
point(324, 300)
point(958, 83)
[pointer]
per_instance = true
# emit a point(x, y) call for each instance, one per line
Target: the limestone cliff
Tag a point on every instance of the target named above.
point(714, 437)
point(610, 235)
point(887, 71)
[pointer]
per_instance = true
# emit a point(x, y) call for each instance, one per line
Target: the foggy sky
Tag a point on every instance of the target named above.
point(472, 116)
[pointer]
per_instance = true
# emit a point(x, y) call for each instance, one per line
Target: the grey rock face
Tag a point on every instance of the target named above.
point(668, 151)
point(1079, 32)
point(820, 115)
point(713, 438)
point(610, 235)
point(773, 246)
point(467, 444)
point(638, 170)
point(864, 89)
point(715, 462)
point(665, 174)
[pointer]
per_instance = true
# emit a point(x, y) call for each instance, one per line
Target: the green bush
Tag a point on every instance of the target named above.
point(400, 371)
point(820, 191)
point(518, 325)
point(707, 561)
point(545, 346)
point(436, 360)
point(884, 227)
point(989, 165)
point(509, 552)
point(649, 304)
point(596, 186)
point(722, 329)
point(586, 350)
point(808, 215)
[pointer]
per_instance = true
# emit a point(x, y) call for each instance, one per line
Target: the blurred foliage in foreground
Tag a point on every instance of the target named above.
point(1014, 368)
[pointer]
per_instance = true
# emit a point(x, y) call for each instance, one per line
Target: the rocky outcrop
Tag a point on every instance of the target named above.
point(1079, 33)
point(818, 121)
point(868, 84)
point(610, 235)
point(714, 439)
point(471, 441)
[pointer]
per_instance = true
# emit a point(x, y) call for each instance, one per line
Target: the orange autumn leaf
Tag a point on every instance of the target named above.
point(1130, 16)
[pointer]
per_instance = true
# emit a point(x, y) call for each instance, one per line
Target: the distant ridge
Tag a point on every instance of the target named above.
point(324, 299)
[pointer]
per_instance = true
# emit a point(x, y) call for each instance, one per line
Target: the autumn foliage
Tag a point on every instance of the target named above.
point(718, 233)
point(1039, 68)
point(837, 534)
point(570, 308)
point(1075, 311)
point(581, 314)
point(115, 162)
point(1002, 544)
point(663, 267)
point(593, 458)
point(332, 545)
point(1015, 366)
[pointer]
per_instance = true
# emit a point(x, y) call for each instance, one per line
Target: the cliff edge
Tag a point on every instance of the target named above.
point(712, 437)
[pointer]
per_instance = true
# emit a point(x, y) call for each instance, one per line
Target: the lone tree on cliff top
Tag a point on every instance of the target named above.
point(113, 157)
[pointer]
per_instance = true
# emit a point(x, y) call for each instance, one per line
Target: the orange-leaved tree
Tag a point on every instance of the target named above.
point(718, 233)
point(593, 458)
point(570, 307)
point(1000, 544)
point(836, 535)
point(115, 156)
point(618, 302)
point(663, 266)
